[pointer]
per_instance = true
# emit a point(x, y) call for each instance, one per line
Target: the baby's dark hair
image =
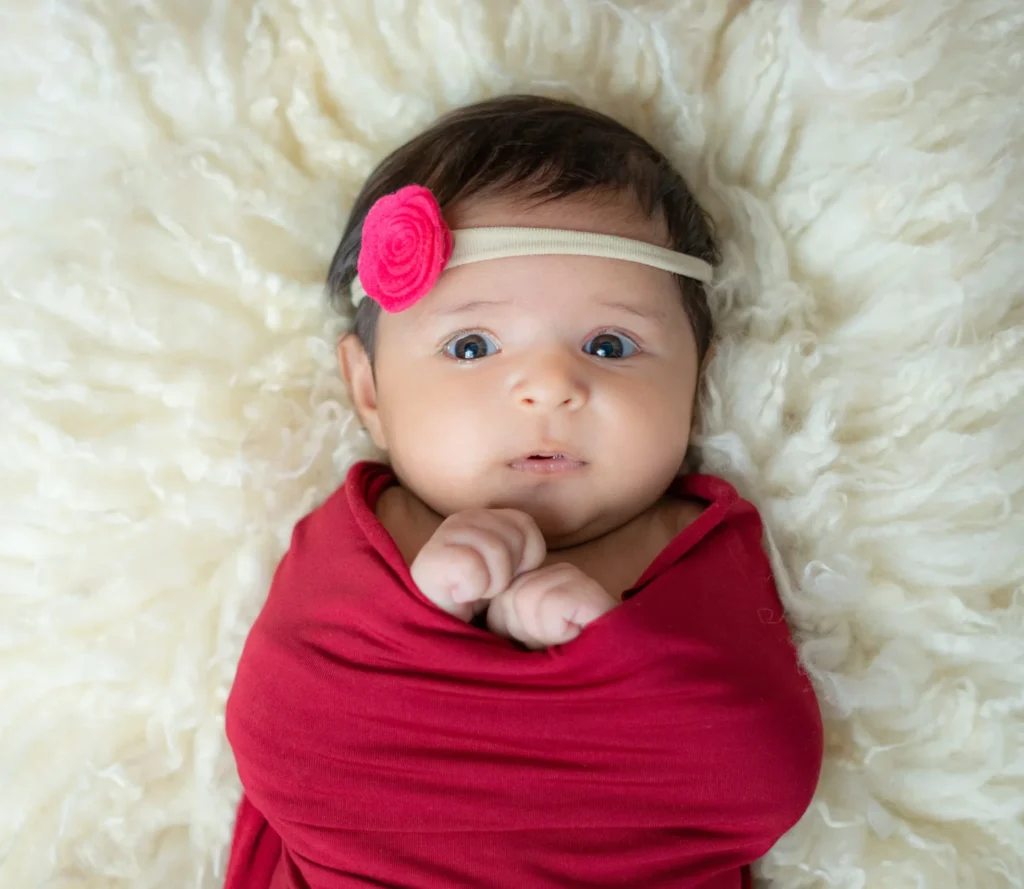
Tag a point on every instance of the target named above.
point(531, 147)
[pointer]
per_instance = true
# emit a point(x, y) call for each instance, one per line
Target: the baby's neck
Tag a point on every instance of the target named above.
point(616, 559)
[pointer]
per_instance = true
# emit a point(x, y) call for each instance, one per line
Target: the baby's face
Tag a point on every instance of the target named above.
point(559, 385)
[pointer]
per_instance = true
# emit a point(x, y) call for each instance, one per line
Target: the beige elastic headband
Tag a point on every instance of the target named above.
point(479, 244)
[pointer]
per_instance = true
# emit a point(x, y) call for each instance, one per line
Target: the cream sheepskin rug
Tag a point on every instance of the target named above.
point(174, 178)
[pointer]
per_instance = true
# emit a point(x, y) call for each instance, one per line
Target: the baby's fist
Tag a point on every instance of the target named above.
point(474, 555)
point(549, 606)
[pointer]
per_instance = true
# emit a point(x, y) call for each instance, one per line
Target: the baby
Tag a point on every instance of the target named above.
point(436, 693)
point(536, 410)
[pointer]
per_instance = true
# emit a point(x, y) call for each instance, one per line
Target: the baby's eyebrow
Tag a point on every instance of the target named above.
point(467, 306)
point(649, 313)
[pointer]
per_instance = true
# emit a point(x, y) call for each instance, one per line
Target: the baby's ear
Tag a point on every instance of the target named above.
point(357, 372)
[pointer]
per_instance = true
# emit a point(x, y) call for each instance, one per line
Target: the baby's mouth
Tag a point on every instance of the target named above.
point(548, 462)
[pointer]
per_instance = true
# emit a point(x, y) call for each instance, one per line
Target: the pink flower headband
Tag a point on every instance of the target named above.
point(406, 244)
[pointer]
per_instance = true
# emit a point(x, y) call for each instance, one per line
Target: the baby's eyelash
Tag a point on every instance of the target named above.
point(617, 331)
point(452, 337)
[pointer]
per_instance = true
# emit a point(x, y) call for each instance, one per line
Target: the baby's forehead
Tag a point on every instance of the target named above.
point(552, 290)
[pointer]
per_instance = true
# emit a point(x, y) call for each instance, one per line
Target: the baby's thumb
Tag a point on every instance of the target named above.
point(569, 622)
point(589, 609)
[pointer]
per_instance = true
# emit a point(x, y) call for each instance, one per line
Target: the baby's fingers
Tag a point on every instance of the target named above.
point(549, 606)
point(485, 557)
point(561, 614)
point(451, 575)
point(528, 546)
point(564, 613)
point(473, 556)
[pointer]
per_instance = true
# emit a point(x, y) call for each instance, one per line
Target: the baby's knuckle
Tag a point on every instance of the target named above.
point(465, 558)
point(466, 518)
point(561, 571)
point(492, 547)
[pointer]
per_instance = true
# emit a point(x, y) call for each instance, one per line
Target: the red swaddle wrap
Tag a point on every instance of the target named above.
point(381, 741)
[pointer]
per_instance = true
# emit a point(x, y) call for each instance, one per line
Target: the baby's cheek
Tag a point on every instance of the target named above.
point(440, 452)
point(650, 413)
point(651, 438)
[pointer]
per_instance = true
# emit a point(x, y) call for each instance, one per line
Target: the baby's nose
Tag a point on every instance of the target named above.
point(551, 384)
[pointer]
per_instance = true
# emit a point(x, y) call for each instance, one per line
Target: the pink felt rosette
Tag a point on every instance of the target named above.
point(405, 246)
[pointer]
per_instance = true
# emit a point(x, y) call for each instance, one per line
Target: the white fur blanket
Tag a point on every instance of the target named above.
point(174, 176)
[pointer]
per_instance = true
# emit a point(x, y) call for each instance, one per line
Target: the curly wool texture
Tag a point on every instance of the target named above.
point(175, 178)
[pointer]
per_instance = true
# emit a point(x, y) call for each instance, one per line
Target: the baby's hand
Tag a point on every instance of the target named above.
point(548, 606)
point(474, 555)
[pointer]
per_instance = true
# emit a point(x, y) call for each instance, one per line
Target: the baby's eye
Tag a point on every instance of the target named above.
point(611, 345)
point(470, 346)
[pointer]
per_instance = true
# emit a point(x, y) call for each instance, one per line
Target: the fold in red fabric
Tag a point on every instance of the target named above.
point(382, 742)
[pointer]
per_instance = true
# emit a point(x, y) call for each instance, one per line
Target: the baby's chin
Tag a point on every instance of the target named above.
point(563, 526)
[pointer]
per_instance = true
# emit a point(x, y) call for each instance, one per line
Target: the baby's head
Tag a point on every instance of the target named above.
point(562, 385)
